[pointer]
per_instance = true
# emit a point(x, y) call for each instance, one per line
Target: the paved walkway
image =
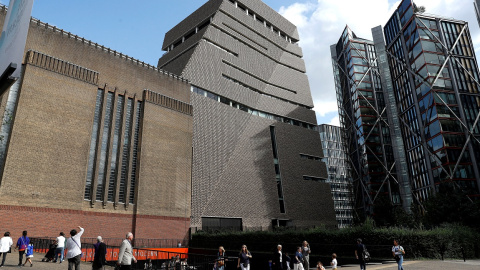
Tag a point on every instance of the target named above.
point(424, 265)
point(12, 261)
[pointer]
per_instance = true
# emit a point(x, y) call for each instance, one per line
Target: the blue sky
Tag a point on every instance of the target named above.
point(137, 28)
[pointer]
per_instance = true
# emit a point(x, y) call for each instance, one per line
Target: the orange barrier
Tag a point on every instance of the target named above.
point(140, 254)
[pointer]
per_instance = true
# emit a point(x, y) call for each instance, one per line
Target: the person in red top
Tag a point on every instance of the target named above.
point(22, 245)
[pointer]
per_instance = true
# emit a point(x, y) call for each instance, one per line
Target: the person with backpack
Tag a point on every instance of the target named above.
point(360, 251)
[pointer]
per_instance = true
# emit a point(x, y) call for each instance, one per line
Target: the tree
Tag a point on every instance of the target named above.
point(451, 205)
point(418, 9)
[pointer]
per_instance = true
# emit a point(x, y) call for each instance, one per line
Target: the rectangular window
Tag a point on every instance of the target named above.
point(102, 166)
point(313, 178)
point(93, 145)
point(218, 223)
point(133, 178)
point(278, 176)
point(126, 152)
point(112, 185)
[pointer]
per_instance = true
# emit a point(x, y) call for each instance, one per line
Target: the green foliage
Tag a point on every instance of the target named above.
point(451, 206)
point(419, 243)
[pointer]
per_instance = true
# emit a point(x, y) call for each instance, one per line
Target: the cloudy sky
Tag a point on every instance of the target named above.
point(137, 28)
point(321, 22)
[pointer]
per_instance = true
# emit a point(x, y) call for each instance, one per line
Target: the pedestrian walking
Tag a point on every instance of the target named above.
point(306, 255)
point(244, 258)
point(29, 255)
point(125, 255)
point(360, 254)
point(288, 261)
point(320, 266)
point(22, 244)
point(5, 246)
point(334, 261)
point(60, 249)
point(398, 252)
point(99, 260)
point(74, 248)
point(298, 262)
point(278, 258)
point(220, 262)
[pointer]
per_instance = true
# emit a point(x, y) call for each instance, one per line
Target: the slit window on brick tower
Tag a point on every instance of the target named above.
point(103, 180)
point(278, 176)
point(102, 167)
point(112, 185)
point(93, 145)
point(125, 153)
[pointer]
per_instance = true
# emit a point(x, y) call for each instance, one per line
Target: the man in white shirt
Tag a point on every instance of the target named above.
point(74, 249)
point(60, 247)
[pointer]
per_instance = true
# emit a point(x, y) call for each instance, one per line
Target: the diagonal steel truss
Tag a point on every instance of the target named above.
point(450, 57)
point(470, 131)
point(380, 117)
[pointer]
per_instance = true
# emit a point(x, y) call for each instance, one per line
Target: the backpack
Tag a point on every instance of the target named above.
point(366, 254)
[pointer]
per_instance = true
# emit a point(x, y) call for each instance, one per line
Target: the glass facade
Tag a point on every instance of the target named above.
point(435, 78)
point(364, 120)
point(339, 173)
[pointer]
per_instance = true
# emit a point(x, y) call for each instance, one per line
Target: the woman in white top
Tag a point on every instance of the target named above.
point(5, 244)
point(398, 252)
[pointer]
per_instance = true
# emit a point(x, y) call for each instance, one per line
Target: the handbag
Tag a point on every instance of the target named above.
point(397, 258)
point(366, 254)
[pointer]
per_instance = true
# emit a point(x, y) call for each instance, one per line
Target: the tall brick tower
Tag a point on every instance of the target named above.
point(253, 119)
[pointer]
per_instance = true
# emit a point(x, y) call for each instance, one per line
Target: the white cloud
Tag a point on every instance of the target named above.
point(323, 107)
point(335, 121)
point(320, 24)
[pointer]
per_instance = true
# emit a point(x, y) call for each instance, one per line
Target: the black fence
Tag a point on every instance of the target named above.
point(158, 259)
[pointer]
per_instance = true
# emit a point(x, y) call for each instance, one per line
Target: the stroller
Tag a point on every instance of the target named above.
point(50, 253)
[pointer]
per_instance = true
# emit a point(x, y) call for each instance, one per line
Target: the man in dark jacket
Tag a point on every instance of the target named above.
point(359, 250)
point(99, 260)
point(278, 259)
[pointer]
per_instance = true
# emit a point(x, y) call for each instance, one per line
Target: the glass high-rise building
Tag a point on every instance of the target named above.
point(435, 78)
point(476, 5)
point(364, 119)
point(339, 173)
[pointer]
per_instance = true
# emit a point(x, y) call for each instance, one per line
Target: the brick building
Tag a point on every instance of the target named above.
point(257, 154)
point(92, 137)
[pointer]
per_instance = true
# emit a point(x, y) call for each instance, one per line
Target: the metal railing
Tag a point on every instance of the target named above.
point(44, 242)
point(172, 259)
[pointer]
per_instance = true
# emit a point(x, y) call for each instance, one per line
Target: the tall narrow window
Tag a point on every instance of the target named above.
point(135, 151)
point(93, 145)
point(102, 167)
point(112, 184)
point(278, 176)
point(126, 152)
